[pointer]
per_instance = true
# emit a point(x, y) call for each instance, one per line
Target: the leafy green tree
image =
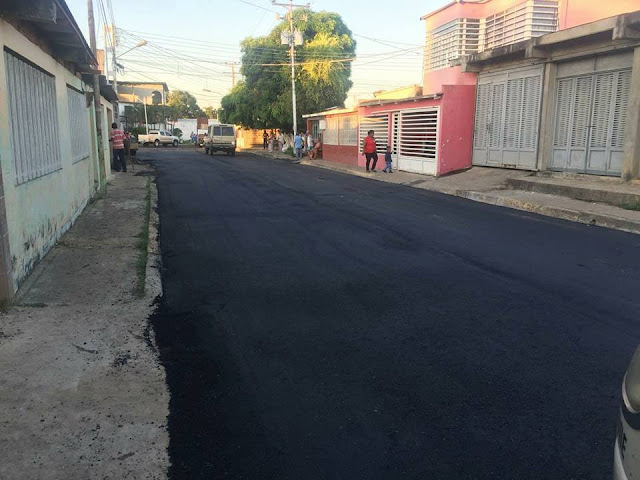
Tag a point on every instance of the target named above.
point(211, 112)
point(263, 98)
point(182, 105)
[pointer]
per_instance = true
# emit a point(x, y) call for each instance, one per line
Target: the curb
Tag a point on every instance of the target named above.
point(270, 156)
point(153, 279)
point(577, 216)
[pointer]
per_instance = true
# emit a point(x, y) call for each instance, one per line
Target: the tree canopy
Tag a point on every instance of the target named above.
point(323, 71)
point(211, 112)
point(183, 105)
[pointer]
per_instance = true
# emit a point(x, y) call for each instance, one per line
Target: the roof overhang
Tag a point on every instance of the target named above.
point(331, 111)
point(127, 83)
point(615, 31)
point(396, 101)
point(106, 89)
point(49, 23)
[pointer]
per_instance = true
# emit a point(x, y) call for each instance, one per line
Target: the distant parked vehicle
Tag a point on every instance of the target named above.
point(626, 462)
point(220, 138)
point(159, 137)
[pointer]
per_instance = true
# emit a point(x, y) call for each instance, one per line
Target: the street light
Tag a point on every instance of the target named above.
point(141, 43)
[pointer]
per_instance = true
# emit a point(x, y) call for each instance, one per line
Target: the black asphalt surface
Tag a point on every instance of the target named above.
point(316, 325)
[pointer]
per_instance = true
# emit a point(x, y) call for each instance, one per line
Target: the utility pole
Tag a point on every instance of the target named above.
point(292, 54)
point(102, 176)
point(233, 73)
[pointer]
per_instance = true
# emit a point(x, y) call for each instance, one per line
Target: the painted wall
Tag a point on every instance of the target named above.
point(40, 211)
point(570, 14)
point(578, 12)
point(456, 128)
point(341, 153)
point(436, 79)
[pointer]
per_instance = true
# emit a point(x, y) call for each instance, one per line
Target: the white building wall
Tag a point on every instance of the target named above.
point(39, 211)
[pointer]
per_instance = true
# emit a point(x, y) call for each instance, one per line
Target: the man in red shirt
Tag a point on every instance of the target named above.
point(370, 150)
point(117, 143)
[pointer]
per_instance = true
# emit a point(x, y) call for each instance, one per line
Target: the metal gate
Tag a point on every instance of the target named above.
point(590, 119)
point(507, 119)
point(395, 137)
point(379, 123)
point(418, 140)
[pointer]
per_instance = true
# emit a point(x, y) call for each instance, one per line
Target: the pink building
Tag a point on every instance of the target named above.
point(421, 131)
point(431, 130)
point(465, 27)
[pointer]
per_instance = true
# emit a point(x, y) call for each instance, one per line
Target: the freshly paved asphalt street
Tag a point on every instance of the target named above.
point(322, 326)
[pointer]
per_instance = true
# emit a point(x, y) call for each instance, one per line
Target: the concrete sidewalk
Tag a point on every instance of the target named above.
point(500, 187)
point(83, 394)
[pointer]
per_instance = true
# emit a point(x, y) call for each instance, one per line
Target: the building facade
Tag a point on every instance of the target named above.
point(567, 101)
point(466, 27)
point(49, 165)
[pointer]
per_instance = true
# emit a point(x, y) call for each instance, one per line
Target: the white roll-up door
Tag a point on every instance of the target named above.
point(418, 140)
point(590, 119)
point(507, 118)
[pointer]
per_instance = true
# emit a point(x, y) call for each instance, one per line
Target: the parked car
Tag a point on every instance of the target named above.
point(626, 462)
point(220, 138)
point(159, 137)
point(133, 145)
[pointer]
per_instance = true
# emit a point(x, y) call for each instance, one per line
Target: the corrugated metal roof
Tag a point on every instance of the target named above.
point(54, 25)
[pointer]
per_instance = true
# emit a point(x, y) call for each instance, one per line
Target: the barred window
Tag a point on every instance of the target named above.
point(78, 125)
point(349, 130)
point(331, 134)
point(451, 41)
point(32, 108)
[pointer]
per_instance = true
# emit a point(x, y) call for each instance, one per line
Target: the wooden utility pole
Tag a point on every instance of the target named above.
point(102, 175)
point(233, 73)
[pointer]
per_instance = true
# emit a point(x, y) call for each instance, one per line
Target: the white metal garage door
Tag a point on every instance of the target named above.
point(507, 119)
point(418, 140)
point(590, 119)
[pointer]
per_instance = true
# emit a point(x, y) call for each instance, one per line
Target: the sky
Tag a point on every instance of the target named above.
point(188, 46)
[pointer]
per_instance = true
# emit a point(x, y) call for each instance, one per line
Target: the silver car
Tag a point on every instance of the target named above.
point(626, 462)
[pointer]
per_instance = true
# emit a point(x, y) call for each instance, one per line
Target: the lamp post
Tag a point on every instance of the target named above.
point(292, 54)
point(141, 43)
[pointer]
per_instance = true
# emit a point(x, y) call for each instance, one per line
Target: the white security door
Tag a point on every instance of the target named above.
point(379, 123)
point(507, 119)
point(395, 138)
point(590, 118)
point(418, 141)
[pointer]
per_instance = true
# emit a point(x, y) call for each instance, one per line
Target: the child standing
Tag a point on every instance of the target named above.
point(387, 158)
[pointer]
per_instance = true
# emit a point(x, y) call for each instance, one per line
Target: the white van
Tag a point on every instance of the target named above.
point(220, 137)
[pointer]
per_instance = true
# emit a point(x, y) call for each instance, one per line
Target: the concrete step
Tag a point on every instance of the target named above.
point(611, 191)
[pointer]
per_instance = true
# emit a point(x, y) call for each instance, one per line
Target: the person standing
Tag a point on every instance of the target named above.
point(388, 160)
point(117, 143)
point(370, 150)
point(298, 143)
point(309, 143)
point(265, 140)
